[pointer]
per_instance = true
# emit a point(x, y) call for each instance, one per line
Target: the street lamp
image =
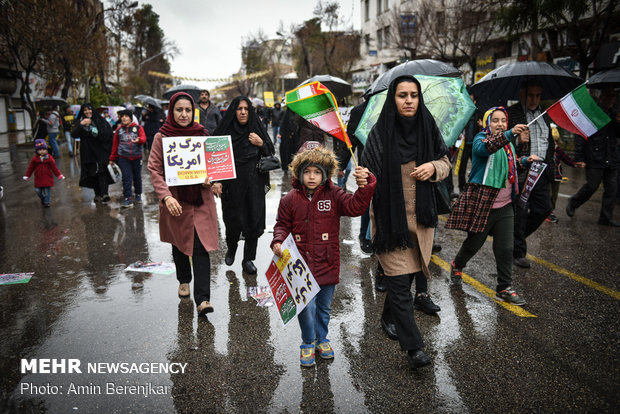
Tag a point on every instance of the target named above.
point(149, 59)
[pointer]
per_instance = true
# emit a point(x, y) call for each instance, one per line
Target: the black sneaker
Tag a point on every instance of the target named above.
point(436, 248)
point(105, 199)
point(417, 359)
point(424, 303)
point(456, 275)
point(570, 210)
point(510, 296)
point(365, 245)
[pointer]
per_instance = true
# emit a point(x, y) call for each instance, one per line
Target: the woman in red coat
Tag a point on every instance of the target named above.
point(187, 214)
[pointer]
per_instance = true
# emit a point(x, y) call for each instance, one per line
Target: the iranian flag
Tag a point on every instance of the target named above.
point(317, 105)
point(578, 113)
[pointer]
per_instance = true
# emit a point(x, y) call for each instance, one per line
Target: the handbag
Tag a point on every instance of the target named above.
point(115, 173)
point(268, 163)
point(442, 198)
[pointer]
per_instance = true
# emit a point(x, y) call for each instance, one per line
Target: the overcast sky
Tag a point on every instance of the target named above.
point(208, 33)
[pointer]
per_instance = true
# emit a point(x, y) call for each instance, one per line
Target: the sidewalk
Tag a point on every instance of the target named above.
point(8, 139)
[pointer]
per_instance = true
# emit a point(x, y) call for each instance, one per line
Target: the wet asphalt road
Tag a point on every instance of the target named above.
point(560, 353)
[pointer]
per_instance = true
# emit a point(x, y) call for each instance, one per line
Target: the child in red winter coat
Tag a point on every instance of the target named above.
point(311, 212)
point(44, 168)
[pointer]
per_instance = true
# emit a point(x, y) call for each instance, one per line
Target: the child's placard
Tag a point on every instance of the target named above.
point(15, 278)
point(291, 282)
point(536, 170)
point(187, 160)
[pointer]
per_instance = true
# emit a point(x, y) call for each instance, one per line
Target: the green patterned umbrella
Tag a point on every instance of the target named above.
point(446, 99)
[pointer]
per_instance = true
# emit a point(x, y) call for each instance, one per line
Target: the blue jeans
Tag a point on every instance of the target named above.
point(313, 320)
point(69, 141)
point(44, 193)
point(132, 171)
point(275, 130)
point(54, 144)
point(347, 171)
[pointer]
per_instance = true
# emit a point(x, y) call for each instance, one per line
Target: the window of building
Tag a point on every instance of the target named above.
point(366, 10)
point(379, 8)
point(386, 5)
point(386, 36)
point(380, 39)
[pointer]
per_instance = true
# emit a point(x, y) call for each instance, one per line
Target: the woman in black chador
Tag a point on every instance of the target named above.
point(243, 199)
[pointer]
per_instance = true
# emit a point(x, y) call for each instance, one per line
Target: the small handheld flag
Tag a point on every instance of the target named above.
point(578, 113)
point(316, 104)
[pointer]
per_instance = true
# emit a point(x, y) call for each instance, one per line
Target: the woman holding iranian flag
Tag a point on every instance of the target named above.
point(485, 207)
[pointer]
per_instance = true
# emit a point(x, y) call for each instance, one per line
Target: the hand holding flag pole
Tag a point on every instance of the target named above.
point(316, 104)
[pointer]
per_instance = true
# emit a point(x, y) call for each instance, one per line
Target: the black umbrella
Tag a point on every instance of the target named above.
point(504, 83)
point(194, 91)
point(339, 87)
point(430, 67)
point(151, 101)
point(606, 78)
point(51, 100)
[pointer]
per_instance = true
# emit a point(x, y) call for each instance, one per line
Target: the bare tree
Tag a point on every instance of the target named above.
point(26, 41)
point(325, 44)
point(574, 27)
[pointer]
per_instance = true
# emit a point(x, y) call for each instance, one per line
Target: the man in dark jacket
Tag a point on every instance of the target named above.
point(536, 141)
point(153, 118)
point(276, 113)
point(210, 115)
point(601, 158)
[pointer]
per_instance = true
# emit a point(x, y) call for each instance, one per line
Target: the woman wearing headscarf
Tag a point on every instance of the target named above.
point(485, 207)
point(96, 138)
point(243, 199)
point(187, 214)
point(406, 152)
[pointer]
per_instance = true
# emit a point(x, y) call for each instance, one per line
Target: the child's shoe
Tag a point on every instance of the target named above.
point(325, 350)
point(138, 199)
point(307, 355)
point(127, 203)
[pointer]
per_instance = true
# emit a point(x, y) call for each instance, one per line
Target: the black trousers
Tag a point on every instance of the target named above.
point(594, 177)
point(463, 168)
point(528, 219)
point(202, 270)
point(398, 309)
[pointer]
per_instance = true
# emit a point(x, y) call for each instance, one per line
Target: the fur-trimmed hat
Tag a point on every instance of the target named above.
point(127, 112)
point(319, 157)
point(39, 144)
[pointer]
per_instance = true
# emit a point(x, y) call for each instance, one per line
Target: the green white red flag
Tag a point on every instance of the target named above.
point(316, 104)
point(578, 113)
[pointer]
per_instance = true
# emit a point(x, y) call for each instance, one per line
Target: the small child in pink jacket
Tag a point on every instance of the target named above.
point(44, 168)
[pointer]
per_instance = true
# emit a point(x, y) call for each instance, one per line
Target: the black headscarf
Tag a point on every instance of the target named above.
point(98, 149)
point(102, 126)
point(393, 141)
point(243, 150)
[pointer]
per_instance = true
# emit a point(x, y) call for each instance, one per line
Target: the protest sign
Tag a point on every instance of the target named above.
point(536, 170)
point(15, 278)
point(291, 282)
point(154, 267)
point(187, 160)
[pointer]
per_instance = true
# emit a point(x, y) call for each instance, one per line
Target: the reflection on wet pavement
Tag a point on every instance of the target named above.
point(82, 304)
